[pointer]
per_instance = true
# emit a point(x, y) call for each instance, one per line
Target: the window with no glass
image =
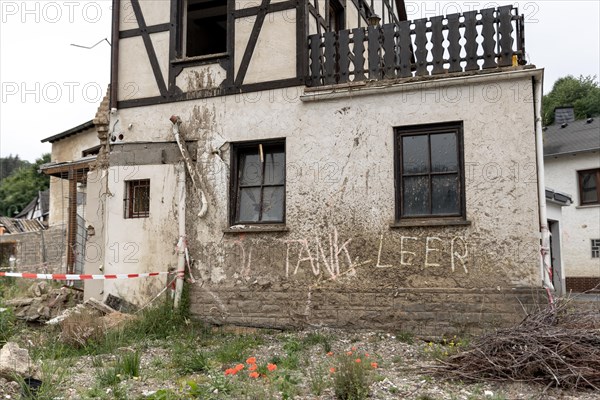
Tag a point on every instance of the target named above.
point(429, 172)
point(203, 28)
point(595, 248)
point(589, 187)
point(258, 182)
point(137, 198)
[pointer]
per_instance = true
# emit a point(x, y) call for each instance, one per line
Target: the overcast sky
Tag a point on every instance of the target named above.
point(49, 86)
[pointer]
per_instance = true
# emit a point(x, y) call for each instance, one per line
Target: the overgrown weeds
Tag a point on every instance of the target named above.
point(351, 377)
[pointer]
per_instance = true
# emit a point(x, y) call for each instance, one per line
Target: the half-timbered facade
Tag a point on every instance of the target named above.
point(322, 162)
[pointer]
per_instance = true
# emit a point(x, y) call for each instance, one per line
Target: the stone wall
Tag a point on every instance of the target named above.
point(38, 252)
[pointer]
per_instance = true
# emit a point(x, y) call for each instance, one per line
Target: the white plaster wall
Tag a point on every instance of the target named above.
point(137, 245)
point(156, 11)
point(340, 157)
point(275, 55)
point(136, 79)
point(579, 224)
point(127, 16)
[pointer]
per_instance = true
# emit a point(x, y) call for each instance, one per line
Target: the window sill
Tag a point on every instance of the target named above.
point(588, 206)
point(429, 222)
point(209, 58)
point(256, 228)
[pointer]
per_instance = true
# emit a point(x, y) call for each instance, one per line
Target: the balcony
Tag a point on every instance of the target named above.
point(436, 46)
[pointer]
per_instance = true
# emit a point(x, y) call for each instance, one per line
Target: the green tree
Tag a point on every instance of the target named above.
point(20, 187)
point(582, 93)
point(10, 164)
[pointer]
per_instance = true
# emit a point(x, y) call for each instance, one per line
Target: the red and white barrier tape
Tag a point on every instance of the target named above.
point(82, 277)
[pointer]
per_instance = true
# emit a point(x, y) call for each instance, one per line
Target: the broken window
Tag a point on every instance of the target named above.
point(137, 198)
point(429, 171)
point(595, 248)
point(204, 28)
point(589, 187)
point(336, 16)
point(258, 182)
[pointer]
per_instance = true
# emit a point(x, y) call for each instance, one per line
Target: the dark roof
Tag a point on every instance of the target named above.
point(44, 198)
point(574, 137)
point(558, 197)
point(70, 132)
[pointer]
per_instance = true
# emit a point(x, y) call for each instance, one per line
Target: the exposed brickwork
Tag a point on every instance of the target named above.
point(39, 252)
point(582, 284)
point(422, 311)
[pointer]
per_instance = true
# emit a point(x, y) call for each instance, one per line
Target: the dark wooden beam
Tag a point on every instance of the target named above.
point(251, 45)
point(137, 10)
point(114, 54)
point(139, 32)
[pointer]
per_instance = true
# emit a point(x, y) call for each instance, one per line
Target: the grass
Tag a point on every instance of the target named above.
point(351, 379)
point(126, 366)
point(187, 359)
point(236, 349)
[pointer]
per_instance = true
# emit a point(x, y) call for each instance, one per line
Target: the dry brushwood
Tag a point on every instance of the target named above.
point(554, 347)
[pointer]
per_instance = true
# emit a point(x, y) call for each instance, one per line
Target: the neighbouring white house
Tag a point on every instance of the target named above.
point(572, 166)
point(319, 163)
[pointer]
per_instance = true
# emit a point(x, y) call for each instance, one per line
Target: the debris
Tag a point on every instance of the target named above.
point(554, 347)
point(16, 361)
point(119, 304)
point(45, 304)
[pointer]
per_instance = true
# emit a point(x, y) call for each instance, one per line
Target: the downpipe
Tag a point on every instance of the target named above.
point(545, 261)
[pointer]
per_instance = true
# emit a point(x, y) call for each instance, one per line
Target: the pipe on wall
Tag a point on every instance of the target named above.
point(545, 261)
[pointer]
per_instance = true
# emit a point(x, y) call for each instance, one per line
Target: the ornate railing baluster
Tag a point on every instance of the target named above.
point(489, 34)
point(405, 49)
point(329, 78)
point(505, 40)
point(421, 44)
point(437, 51)
point(344, 56)
point(374, 56)
point(389, 48)
point(471, 38)
point(359, 59)
point(454, 43)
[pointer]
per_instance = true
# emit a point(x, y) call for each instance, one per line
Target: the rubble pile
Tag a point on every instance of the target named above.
point(43, 302)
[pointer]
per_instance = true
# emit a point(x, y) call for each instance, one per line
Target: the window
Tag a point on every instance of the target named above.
point(258, 182)
point(595, 248)
point(589, 187)
point(204, 28)
point(336, 16)
point(429, 172)
point(137, 198)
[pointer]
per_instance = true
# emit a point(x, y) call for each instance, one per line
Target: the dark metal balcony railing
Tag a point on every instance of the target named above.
point(438, 45)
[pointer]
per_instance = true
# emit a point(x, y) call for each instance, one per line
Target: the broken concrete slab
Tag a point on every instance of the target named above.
point(16, 361)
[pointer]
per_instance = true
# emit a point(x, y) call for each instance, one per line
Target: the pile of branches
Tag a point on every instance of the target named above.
point(554, 347)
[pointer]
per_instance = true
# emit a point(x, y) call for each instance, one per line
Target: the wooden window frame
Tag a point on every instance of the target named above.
point(182, 32)
point(580, 188)
point(458, 218)
point(130, 199)
point(237, 149)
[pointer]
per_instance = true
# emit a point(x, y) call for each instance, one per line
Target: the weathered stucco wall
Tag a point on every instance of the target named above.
point(64, 150)
point(140, 244)
point(579, 224)
point(339, 262)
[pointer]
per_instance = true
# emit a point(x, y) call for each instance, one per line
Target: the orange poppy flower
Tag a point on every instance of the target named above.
point(230, 371)
point(239, 367)
point(374, 365)
point(252, 367)
point(254, 374)
point(330, 353)
point(251, 360)
point(366, 354)
point(271, 367)
point(357, 360)
point(349, 353)
point(353, 348)
point(331, 370)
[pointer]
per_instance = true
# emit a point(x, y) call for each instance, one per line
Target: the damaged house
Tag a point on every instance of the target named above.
point(321, 163)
